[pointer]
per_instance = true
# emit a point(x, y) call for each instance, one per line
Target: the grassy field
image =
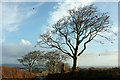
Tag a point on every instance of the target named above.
point(9, 73)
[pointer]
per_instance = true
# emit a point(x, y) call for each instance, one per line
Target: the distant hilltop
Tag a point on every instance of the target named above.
point(97, 66)
point(21, 66)
point(13, 65)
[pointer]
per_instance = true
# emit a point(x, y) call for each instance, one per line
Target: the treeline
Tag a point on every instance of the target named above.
point(38, 61)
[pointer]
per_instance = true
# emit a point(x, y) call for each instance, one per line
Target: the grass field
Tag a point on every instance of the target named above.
point(9, 73)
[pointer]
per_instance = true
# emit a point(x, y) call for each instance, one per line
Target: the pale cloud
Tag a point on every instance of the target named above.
point(25, 42)
point(62, 7)
point(106, 58)
point(1, 40)
point(111, 60)
point(15, 51)
point(104, 53)
point(110, 52)
point(61, 10)
point(11, 52)
point(12, 15)
point(15, 13)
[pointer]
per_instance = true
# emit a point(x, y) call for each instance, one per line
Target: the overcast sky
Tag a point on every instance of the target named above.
point(24, 22)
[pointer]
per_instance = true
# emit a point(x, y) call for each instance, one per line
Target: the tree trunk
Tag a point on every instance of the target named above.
point(53, 67)
point(75, 60)
point(30, 69)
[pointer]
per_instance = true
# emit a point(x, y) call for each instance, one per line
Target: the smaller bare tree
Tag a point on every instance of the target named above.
point(53, 58)
point(30, 59)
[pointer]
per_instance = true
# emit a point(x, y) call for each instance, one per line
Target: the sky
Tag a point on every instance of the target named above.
point(23, 22)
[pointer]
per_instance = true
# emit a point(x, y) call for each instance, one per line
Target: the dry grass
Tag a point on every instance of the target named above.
point(88, 74)
point(12, 73)
point(9, 73)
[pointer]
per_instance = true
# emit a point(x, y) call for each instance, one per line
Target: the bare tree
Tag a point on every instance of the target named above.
point(62, 67)
point(72, 33)
point(30, 59)
point(53, 58)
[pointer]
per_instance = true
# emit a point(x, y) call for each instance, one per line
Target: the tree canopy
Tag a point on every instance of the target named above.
point(53, 59)
point(30, 59)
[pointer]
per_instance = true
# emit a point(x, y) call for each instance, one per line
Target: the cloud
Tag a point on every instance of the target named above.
point(104, 53)
point(110, 52)
point(25, 42)
point(1, 40)
point(61, 9)
point(15, 51)
point(111, 60)
point(15, 13)
point(106, 58)
point(93, 59)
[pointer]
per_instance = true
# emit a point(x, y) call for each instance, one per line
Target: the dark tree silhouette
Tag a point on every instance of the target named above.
point(72, 33)
point(54, 58)
point(30, 59)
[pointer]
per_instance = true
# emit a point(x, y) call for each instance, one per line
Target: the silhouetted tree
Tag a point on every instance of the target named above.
point(30, 59)
point(72, 33)
point(53, 58)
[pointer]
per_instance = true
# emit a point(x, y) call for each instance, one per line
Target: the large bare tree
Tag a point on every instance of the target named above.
point(30, 59)
point(72, 33)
